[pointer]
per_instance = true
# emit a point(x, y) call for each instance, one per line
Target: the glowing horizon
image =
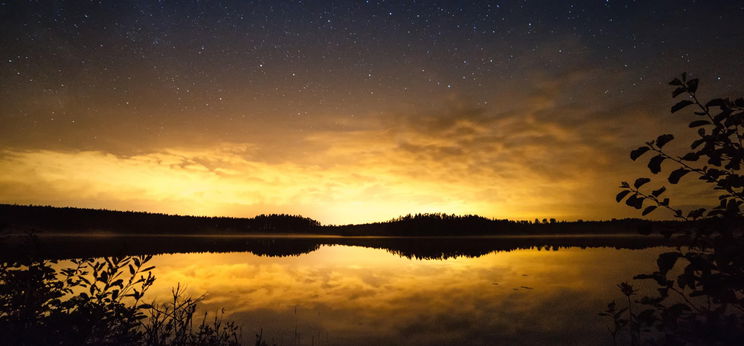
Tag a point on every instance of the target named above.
point(347, 113)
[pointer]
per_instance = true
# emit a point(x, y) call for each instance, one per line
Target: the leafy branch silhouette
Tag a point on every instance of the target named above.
point(700, 284)
point(97, 302)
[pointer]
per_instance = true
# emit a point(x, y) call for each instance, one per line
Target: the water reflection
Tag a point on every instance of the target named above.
point(56, 246)
point(357, 295)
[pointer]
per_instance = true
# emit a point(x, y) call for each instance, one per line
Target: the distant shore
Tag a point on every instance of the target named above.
point(19, 219)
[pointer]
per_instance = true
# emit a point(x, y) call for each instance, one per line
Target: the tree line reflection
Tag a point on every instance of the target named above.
point(83, 246)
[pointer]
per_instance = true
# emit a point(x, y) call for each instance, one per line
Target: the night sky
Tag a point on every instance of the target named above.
point(350, 111)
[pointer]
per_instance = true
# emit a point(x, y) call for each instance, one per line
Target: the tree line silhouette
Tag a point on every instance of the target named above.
point(437, 224)
point(78, 220)
point(47, 219)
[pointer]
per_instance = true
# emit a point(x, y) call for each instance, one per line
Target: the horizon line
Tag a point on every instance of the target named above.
point(322, 224)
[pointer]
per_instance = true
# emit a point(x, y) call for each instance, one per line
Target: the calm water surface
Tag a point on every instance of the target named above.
point(351, 295)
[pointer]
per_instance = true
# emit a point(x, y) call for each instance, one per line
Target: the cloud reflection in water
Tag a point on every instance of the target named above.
point(345, 294)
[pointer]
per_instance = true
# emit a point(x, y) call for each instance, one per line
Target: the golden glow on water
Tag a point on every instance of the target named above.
point(364, 295)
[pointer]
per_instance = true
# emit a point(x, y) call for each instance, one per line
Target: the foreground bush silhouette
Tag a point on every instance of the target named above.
point(700, 285)
point(98, 302)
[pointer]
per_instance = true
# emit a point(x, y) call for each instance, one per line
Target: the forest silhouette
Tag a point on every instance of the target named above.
point(46, 219)
point(75, 233)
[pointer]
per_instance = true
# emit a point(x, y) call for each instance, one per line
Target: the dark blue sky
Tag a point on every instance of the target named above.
point(339, 51)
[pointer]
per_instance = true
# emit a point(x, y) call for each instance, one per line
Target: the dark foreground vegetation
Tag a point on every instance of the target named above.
point(97, 302)
point(699, 287)
point(45, 219)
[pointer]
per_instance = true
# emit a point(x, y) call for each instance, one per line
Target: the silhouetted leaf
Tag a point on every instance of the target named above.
point(677, 174)
point(696, 143)
point(697, 123)
point(667, 260)
point(640, 182)
point(638, 152)
point(685, 280)
point(663, 139)
point(631, 201)
point(718, 102)
point(648, 210)
point(691, 157)
point(678, 91)
point(654, 165)
point(676, 81)
point(680, 105)
point(715, 160)
point(657, 193)
point(621, 195)
point(692, 85)
point(638, 203)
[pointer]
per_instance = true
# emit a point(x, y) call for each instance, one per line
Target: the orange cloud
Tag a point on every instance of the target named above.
point(532, 155)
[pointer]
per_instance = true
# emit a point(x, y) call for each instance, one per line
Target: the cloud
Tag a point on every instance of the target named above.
point(536, 153)
point(216, 181)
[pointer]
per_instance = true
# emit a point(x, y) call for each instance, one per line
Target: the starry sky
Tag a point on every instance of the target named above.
point(350, 111)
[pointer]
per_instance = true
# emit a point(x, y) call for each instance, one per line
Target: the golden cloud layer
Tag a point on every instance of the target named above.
point(532, 153)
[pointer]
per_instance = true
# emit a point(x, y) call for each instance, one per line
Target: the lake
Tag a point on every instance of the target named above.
point(326, 290)
point(342, 295)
